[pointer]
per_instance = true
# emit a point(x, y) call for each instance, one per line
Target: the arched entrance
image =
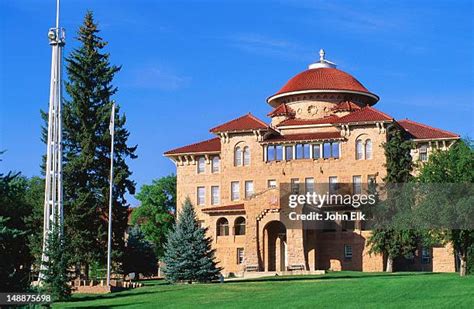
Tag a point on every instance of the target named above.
point(275, 246)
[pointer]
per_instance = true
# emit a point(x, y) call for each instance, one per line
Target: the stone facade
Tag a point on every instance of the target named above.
point(268, 244)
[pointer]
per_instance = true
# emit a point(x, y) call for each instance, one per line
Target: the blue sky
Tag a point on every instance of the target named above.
point(188, 66)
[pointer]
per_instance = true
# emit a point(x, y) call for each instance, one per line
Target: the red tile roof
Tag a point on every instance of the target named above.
point(423, 131)
point(299, 122)
point(228, 208)
point(365, 114)
point(282, 110)
point(304, 137)
point(210, 145)
point(346, 106)
point(323, 79)
point(244, 123)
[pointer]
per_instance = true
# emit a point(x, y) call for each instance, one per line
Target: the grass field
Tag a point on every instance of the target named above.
point(333, 290)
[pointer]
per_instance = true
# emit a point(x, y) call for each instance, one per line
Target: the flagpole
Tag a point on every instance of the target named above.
point(109, 238)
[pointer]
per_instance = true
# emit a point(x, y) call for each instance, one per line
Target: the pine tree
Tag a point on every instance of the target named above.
point(394, 242)
point(139, 254)
point(86, 138)
point(188, 254)
point(55, 274)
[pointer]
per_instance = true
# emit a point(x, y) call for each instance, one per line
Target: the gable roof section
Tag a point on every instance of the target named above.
point(423, 131)
point(247, 122)
point(212, 145)
point(282, 110)
point(304, 137)
point(365, 114)
point(346, 106)
point(301, 122)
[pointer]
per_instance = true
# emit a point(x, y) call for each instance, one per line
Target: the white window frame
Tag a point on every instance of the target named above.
point(357, 184)
point(368, 154)
point(200, 201)
point(269, 185)
point(238, 156)
point(215, 196)
point(309, 185)
point(201, 165)
point(240, 256)
point(235, 194)
point(249, 193)
point(246, 157)
point(215, 166)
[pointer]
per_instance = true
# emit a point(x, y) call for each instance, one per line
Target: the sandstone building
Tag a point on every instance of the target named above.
point(324, 129)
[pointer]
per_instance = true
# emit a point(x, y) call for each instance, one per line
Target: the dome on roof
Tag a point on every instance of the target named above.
point(323, 77)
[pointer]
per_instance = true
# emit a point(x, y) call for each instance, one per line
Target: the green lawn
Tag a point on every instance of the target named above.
point(333, 290)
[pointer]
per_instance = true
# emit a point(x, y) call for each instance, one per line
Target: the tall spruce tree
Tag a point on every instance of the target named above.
point(188, 254)
point(87, 152)
point(56, 266)
point(394, 242)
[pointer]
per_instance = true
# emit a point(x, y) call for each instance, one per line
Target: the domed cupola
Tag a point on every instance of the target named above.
point(323, 81)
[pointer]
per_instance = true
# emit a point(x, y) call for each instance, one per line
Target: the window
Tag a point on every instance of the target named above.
point(237, 156)
point(235, 190)
point(368, 149)
point(423, 153)
point(222, 227)
point(240, 255)
point(425, 256)
point(309, 185)
point(272, 183)
point(215, 195)
point(332, 184)
point(289, 152)
point(271, 156)
point(335, 150)
point(359, 150)
point(316, 151)
point(331, 150)
point(239, 226)
point(201, 195)
point(201, 167)
point(216, 162)
point(348, 252)
point(201, 224)
point(302, 151)
point(356, 184)
point(248, 189)
point(279, 152)
point(295, 185)
point(246, 156)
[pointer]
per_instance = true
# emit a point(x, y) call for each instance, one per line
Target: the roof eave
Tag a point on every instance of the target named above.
point(284, 94)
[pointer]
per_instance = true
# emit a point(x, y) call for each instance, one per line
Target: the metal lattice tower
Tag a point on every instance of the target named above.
point(53, 197)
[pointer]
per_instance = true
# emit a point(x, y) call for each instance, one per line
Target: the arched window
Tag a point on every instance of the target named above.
point(238, 156)
point(201, 166)
point(239, 226)
point(359, 150)
point(215, 164)
point(368, 149)
point(246, 155)
point(222, 227)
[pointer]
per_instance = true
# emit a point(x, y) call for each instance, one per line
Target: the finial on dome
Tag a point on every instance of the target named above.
point(322, 63)
point(321, 55)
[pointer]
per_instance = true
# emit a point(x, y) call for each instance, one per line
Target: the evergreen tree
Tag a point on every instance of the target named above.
point(394, 242)
point(86, 150)
point(55, 274)
point(188, 254)
point(15, 256)
point(139, 256)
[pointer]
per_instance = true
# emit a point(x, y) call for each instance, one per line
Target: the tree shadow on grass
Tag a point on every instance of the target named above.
point(326, 277)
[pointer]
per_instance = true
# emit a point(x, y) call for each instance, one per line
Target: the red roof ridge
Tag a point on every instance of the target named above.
point(237, 125)
point(426, 126)
point(362, 116)
point(234, 207)
point(209, 145)
point(281, 109)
